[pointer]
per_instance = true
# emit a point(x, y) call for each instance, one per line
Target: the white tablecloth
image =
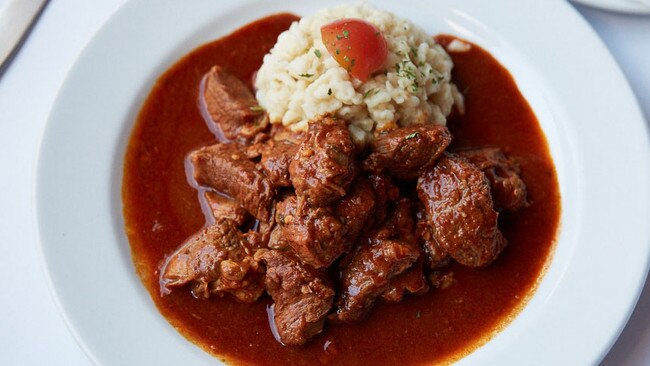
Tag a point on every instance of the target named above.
point(31, 330)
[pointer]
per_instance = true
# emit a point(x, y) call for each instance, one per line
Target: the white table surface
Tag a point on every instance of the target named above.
point(31, 330)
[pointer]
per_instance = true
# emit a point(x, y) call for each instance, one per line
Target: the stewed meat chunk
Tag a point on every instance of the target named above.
point(356, 209)
point(302, 296)
point(412, 281)
point(215, 261)
point(401, 223)
point(315, 233)
point(276, 157)
point(368, 275)
point(225, 208)
point(508, 189)
point(404, 153)
point(385, 192)
point(225, 168)
point(232, 106)
point(435, 257)
point(324, 166)
point(460, 211)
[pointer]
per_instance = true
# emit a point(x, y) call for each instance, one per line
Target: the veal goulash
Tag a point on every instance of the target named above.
point(342, 189)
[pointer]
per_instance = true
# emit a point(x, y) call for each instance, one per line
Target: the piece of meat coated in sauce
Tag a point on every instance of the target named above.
point(385, 192)
point(401, 225)
point(315, 234)
point(460, 211)
point(215, 261)
point(411, 281)
point(368, 275)
point(436, 258)
point(225, 168)
point(225, 208)
point(302, 296)
point(232, 106)
point(405, 152)
point(508, 189)
point(324, 165)
point(276, 157)
point(355, 210)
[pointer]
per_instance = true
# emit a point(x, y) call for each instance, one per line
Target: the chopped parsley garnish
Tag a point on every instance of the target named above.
point(370, 92)
point(257, 109)
point(408, 137)
point(352, 62)
point(339, 37)
point(337, 51)
point(414, 51)
point(408, 73)
point(346, 34)
point(329, 91)
point(306, 75)
point(317, 53)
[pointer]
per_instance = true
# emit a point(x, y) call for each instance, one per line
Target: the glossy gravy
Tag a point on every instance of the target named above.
point(161, 210)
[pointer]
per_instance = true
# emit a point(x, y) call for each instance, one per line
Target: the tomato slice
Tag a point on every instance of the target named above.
point(356, 45)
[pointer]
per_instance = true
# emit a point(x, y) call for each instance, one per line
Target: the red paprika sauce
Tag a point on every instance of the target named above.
point(161, 210)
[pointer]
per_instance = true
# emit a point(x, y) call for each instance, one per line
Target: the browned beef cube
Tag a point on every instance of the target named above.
point(225, 168)
point(405, 152)
point(385, 192)
point(302, 296)
point(315, 234)
point(508, 189)
point(276, 158)
point(411, 281)
point(401, 223)
point(435, 257)
point(222, 207)
point(460, 211)
point(356, 210)
point(215, 261)
point(324, 167)
point(232, 106)
point(368, 275)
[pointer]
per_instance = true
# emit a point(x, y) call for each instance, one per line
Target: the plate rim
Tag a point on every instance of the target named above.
point(627, 7)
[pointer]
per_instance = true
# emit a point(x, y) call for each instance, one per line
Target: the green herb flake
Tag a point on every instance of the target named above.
point(317, 53)
point(408, 137)
point(370, 92)
point(257, 109)
point(418, 314)
point(346, 59)
point(329, 91)
point(346, 34)
point(338, 51)
point(339, 37)
point(414, 51)
point(306, 75)
point(352, 62)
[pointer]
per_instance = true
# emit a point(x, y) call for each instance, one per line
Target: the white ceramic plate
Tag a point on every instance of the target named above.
point(595, 130)
point(623, 6)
